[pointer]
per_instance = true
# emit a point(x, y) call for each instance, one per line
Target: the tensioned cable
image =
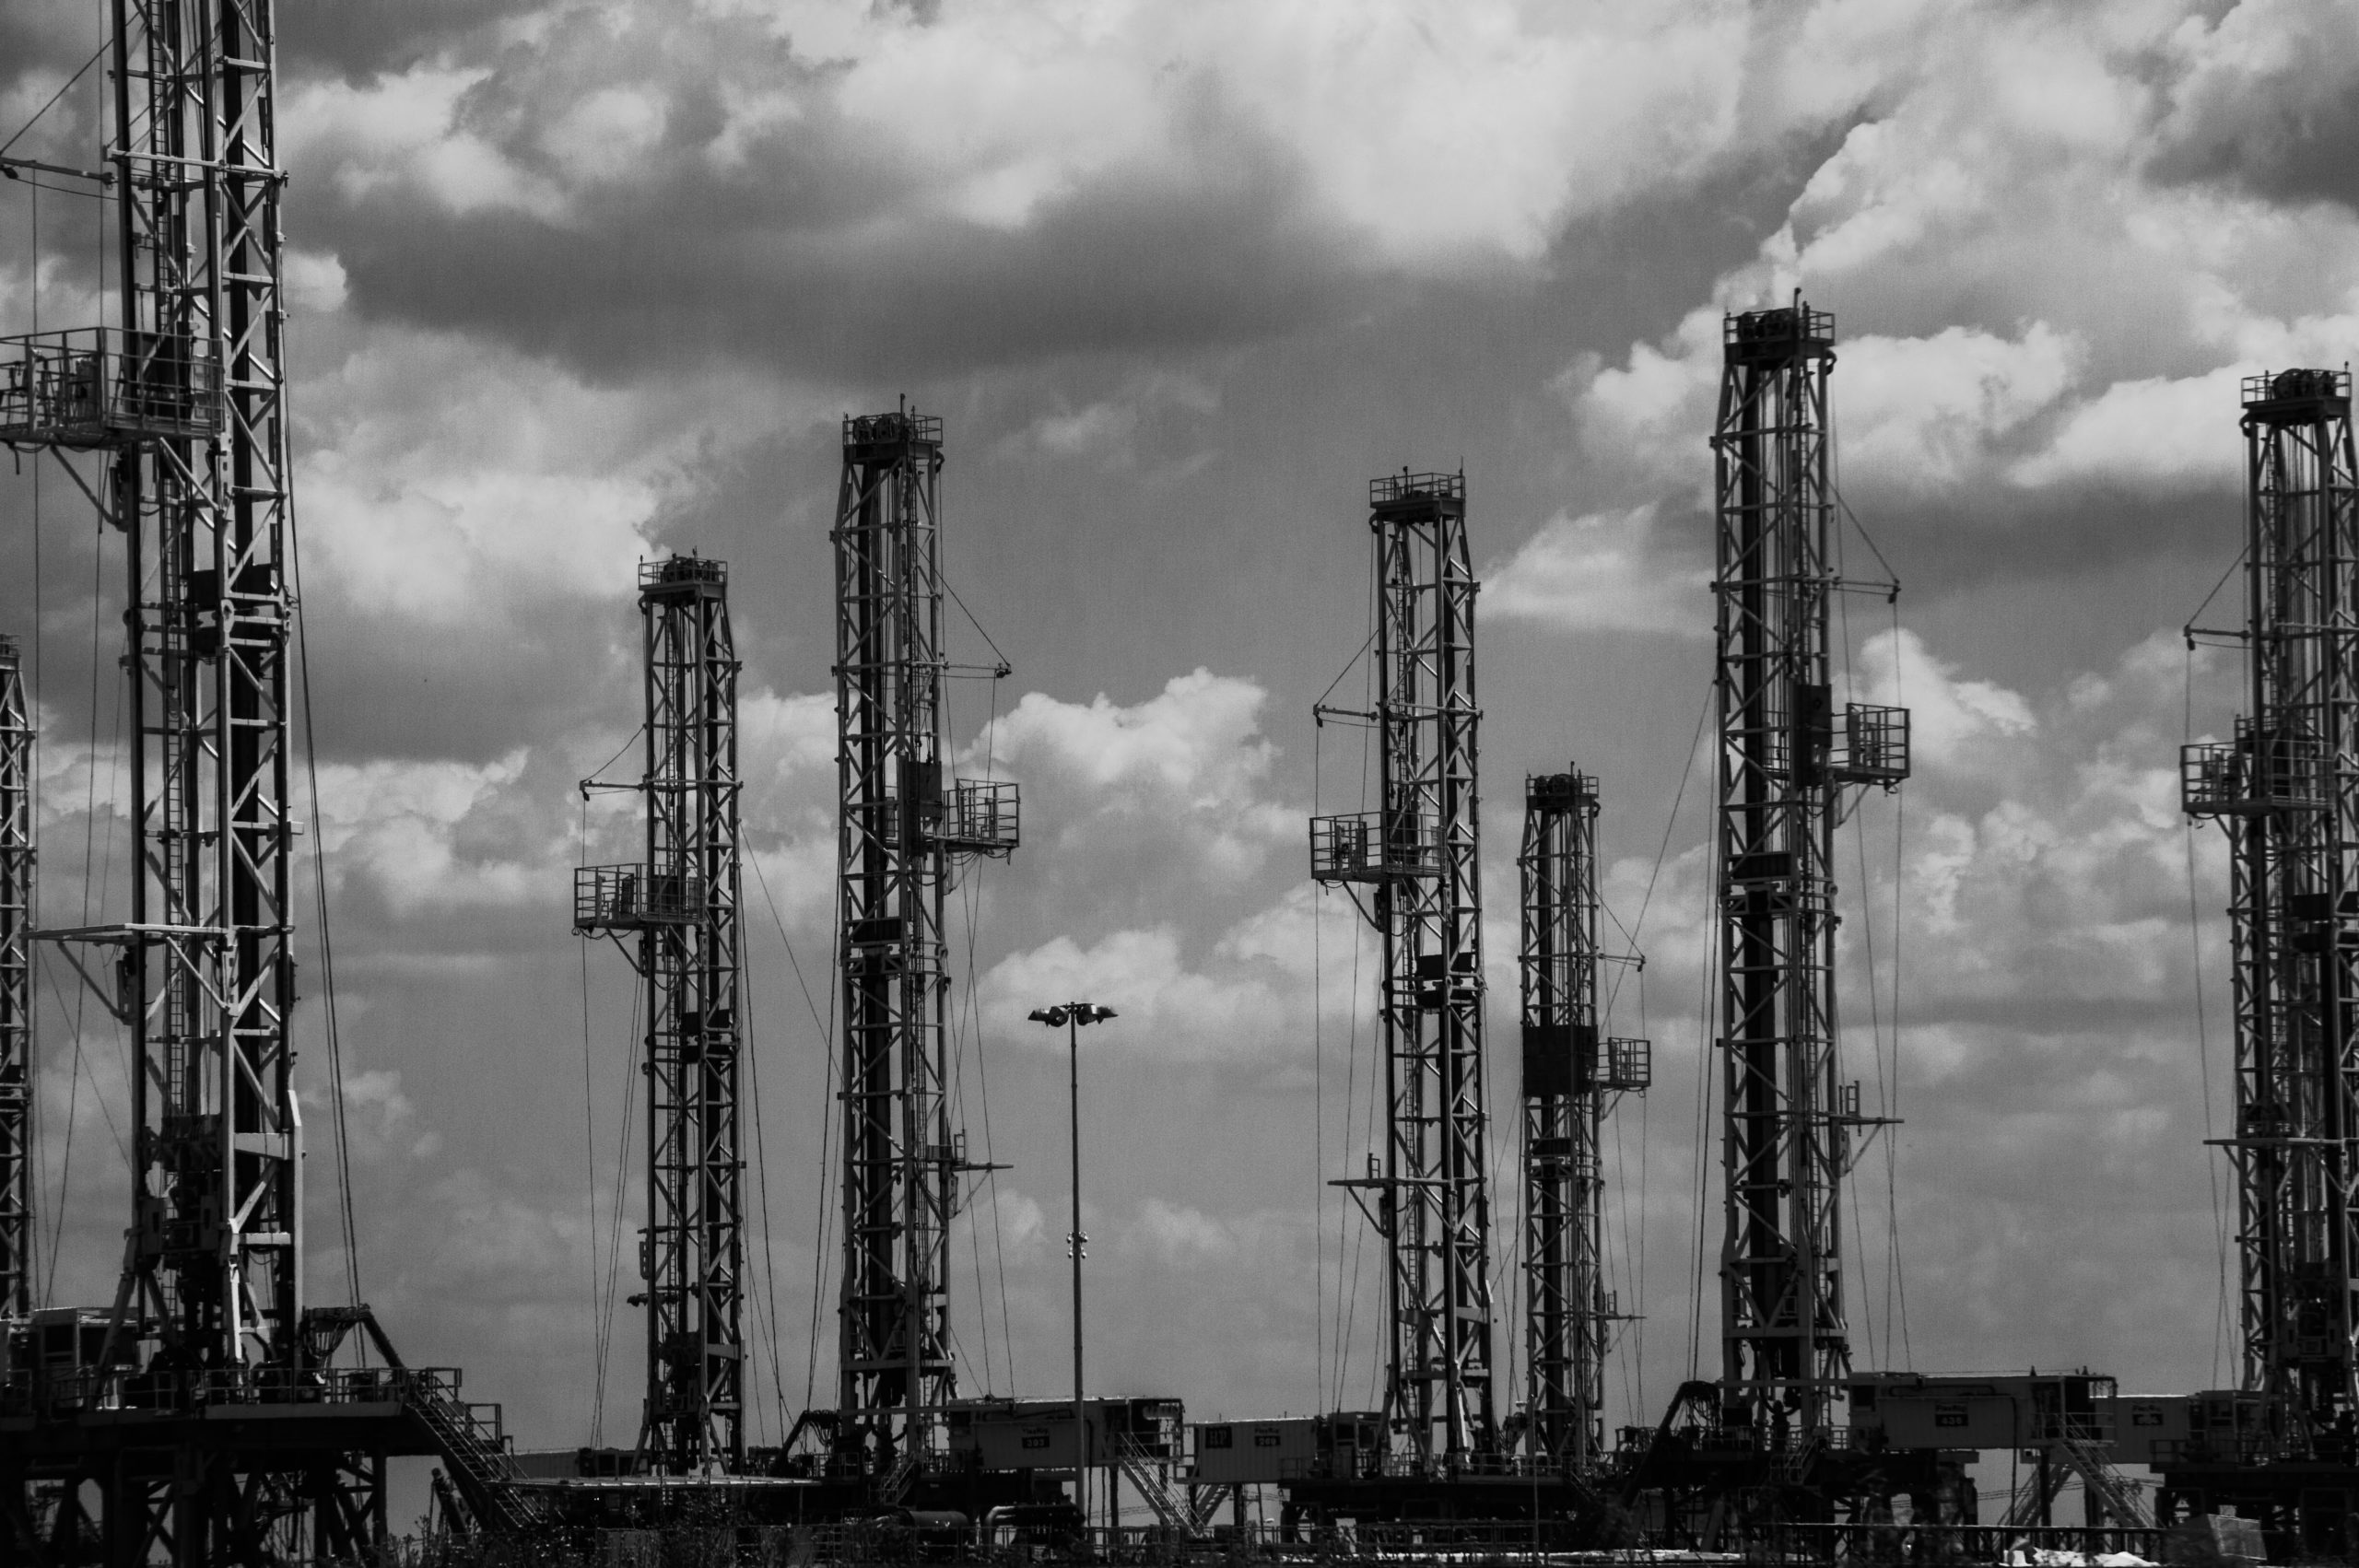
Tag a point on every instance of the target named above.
point(1708, 980)
point(2203, 1046)
point(1663, 850)
point(90, 850)
point(632, 1080)
point(1317, 1105)
point(762, 1185)
point(320, 883)
point(46, 107)
point(589, 1131)
point(827, 1122)
point(1899, 926)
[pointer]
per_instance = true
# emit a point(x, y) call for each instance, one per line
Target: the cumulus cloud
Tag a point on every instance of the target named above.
point(1949, 718)
point(1594, 573)
point(1182, 776)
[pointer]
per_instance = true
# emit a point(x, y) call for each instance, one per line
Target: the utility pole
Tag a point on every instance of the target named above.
point(902, 827)
point(1426, 1196)
point(682, 903)
point(1786, 757)
point(2286, 789)
point(1572, 1075)
point(16, 989)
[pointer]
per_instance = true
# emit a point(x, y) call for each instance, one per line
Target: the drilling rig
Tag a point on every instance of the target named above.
point(681, 903)
point(1765, 1441)
point(201, 1418)
point(2284, 1447)
point(1572, 1075)
point(1426, 1195)
point(904, 825)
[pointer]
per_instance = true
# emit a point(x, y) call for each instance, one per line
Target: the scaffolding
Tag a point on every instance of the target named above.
point(1427, 1195)
point(681, 903)
point(903, 825)
point(1785, 757)
point(1572, 1075)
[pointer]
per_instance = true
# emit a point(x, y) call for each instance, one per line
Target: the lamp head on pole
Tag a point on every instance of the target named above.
point(1075, 1013)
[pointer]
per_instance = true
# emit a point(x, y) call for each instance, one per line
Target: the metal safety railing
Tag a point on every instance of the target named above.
point(982, 816)
point(1873, 745)
point(890, 429)
point(1395, 488)
point(103, 386)
point(627, 897)
point(2296, 386)
point(1375, 846)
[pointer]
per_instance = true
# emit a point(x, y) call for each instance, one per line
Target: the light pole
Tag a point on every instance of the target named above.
point(1069, 1017)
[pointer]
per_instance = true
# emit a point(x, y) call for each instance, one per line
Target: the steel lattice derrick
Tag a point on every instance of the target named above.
point(1571, 1076)
point(1784, 759)
point(16, 987)
point(2287, 788)
point(216, 1238)
point(901, 825)
point(690, 957)
point(1429, 1196)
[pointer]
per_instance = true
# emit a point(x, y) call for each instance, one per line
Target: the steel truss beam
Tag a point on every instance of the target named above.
point(1427, 1196)
point(2287, 789)
point(1572, 1074)
point(902, 825)
point(1785, 757)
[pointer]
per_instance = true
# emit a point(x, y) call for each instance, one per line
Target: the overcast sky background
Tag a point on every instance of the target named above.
point(573, 284)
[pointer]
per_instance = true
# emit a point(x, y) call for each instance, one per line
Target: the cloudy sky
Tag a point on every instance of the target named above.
point(577, 284)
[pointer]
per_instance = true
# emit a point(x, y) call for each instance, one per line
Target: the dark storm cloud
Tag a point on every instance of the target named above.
point(678, 274)
point(357, 37)
point(813, 244)
point(2278, 116)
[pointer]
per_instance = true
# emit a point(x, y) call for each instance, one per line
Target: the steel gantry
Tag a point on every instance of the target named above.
point(1426, 1194)
point(16, 989)
point(2287, 789)
point(903, 825)
point(1785, 758)
point(681, 902)
point(1572, 1075)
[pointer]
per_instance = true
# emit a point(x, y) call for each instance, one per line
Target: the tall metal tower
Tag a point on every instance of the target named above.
point(1427, 1195)
point(15, 989)
point(2287, 789)
point(903, 825)
point(682, 903)
point(187, 396)
point(185, 399)
point(1572, 1075)
point(1786, 758)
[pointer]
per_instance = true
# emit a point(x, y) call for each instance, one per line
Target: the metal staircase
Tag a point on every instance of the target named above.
point(477, 1457)
point(1146, 1471)
point(2119, 1499)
